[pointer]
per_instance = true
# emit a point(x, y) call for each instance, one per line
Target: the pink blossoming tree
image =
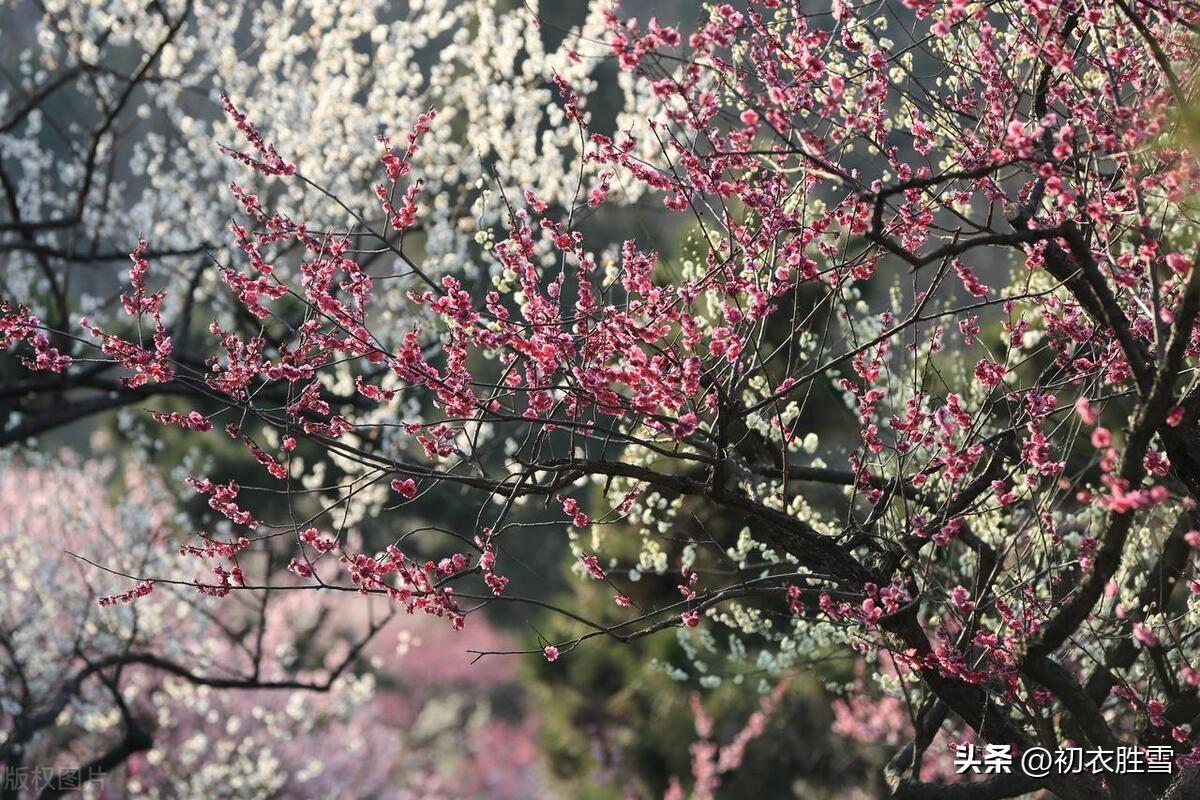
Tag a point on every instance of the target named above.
point(933, 346)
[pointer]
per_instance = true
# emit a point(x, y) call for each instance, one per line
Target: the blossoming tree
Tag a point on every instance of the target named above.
point(967, 225)
point(168, 699)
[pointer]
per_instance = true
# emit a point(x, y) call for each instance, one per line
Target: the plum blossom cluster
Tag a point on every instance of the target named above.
point(20, 325)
